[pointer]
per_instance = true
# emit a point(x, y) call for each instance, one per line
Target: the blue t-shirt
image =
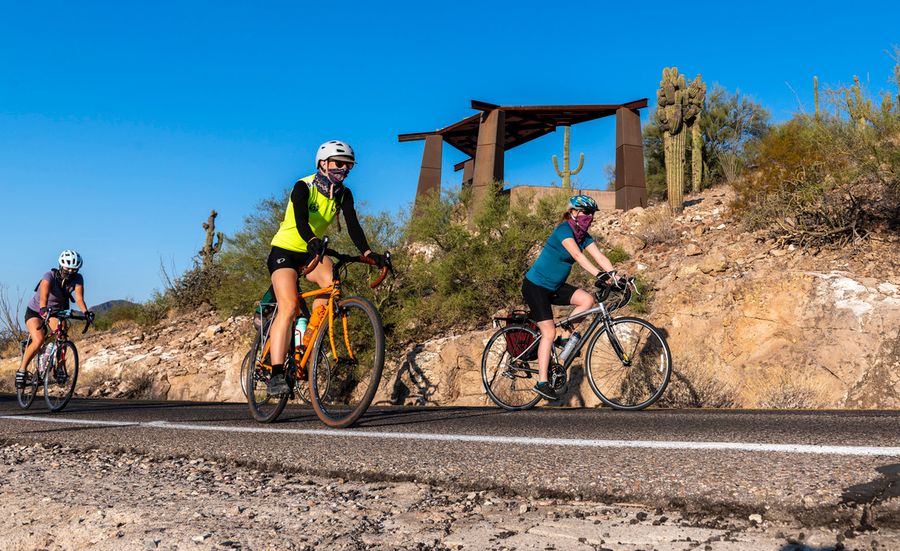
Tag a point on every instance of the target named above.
point(553, 265)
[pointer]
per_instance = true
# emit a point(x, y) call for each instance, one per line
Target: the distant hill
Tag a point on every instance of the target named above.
point(109, 305)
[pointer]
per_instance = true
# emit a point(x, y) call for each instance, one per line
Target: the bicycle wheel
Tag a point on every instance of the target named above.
point(26, 395)
point(636, 375)
point(60, 376)
point(505, 380)
point(341, 388)
point(263, 406)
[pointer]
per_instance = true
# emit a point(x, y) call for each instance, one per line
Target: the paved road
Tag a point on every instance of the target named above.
point(812, 467)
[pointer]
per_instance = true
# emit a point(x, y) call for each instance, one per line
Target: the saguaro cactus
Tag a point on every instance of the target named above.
point(859, 109)
point(816, 95)
point(565, 173)
point(671, 104)
point(696, 97)
point(209, 249)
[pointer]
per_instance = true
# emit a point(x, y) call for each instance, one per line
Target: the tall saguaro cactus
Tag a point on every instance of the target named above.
point(860, 109)
point(209, 249)
point(671, 104)
point(696, 97)
point(565, 173)
point(816, 95)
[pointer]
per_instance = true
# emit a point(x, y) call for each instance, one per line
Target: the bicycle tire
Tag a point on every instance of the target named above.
point(341, 389)
point(26, 395)
point(61, 376)
point(505, 384)
point(637, 382)
point(263, 406)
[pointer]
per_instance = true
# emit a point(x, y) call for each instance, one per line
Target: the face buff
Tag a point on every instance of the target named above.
point(331, 182)
point(580, 226)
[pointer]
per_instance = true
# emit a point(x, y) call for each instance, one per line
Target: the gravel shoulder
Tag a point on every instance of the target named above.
point(58, 497)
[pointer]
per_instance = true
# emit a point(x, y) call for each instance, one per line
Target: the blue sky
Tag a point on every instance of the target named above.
point(123, 123)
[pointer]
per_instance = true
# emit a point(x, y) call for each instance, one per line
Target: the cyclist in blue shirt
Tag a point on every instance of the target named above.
point(545, 283)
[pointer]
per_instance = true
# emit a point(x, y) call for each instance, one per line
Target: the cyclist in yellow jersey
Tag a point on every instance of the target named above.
point(313, 206)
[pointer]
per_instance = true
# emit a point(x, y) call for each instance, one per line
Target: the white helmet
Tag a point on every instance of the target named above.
point(335, 149)
point(70, 259)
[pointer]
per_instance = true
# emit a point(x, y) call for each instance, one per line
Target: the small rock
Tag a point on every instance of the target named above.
point(523, 508)
point(692, 249)
point(755, 519)
point(150, 545)
point(721, 227)
point(201, 538)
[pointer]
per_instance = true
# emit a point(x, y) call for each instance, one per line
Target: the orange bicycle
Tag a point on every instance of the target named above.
point(343, 362)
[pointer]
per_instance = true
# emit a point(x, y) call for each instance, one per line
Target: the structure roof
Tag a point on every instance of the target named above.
point(523, 123)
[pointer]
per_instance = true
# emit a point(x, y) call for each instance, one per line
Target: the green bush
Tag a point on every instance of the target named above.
point(457, 277)
point(828, 180)
point(147, 314)
point(617, 255)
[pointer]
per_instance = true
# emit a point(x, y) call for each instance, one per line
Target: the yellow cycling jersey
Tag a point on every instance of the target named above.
point(322, 211)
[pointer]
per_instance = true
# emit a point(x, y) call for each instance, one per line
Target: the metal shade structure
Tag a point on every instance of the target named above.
point(487, 135)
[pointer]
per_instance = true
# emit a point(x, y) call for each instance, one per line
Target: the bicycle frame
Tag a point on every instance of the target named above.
point(601, 316)
point(334, 294)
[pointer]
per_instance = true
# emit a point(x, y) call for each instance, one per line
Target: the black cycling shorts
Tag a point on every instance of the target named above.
point(539, 299)
point(283, 258)
point(29, 313)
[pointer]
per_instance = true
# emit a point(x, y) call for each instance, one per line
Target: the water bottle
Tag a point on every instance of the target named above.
point(570, 346)
point(299, 331)
point(44, 358)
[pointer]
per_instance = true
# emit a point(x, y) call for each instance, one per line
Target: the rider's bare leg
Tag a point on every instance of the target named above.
point(548, 333)
point(284, 283)
point(35, 328)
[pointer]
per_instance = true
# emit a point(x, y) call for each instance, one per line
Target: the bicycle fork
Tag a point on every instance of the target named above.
point(614, 342)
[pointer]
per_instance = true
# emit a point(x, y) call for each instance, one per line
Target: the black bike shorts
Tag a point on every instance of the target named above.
point(29, 313)
point(283, 258)
point(539, 299)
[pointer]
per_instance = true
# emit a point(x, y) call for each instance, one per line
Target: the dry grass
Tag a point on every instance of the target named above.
point(657, 227)
point(694, 386)
point(789, 393)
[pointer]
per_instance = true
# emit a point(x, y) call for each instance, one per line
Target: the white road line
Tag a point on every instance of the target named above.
point(487, 439)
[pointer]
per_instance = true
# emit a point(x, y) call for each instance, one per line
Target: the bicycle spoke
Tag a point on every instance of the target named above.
point(637, 378)
point(263, 406)
point(60, 376)
point(342, 387)
point(505, 381)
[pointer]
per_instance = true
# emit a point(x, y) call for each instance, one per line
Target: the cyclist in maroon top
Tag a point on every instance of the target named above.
point(54, 292)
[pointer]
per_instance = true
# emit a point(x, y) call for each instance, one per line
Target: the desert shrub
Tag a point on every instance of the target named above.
point(789, 393)
point(827, 180)
point(194, 287)
point(12, 324)
point(642, 299)
point(617, 254)
point(462, 275)
point(657, 226)
point(694, 386)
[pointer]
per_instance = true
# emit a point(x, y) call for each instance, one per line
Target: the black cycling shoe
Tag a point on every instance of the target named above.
point(544, 389)
point(23, 379)
point(278, 384)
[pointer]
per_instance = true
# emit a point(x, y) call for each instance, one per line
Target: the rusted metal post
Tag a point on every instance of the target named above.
point(488, 157)
point(631, 188)
point(430, 173)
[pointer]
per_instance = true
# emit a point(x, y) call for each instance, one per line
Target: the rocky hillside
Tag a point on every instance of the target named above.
point(749, 325)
